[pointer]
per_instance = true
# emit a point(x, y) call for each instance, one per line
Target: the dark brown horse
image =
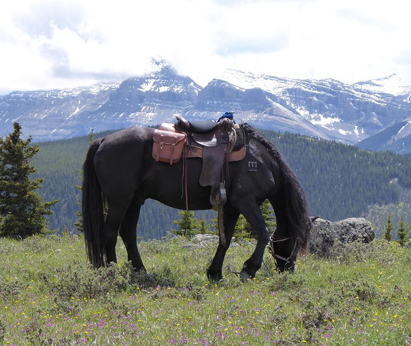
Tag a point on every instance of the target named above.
point(119, 172)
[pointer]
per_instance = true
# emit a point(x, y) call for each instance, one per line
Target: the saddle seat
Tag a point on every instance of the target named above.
point(204, 133)
point(195, 126)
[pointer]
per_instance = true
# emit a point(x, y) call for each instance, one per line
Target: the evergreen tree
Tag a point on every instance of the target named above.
point(388, 229)
point(188, 224)
point(403, 232)
point(22, 212)
point(203, 227)
point(243, 228)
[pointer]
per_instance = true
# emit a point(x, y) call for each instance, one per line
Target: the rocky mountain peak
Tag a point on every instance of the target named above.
point(325, 108)
point(392, 84)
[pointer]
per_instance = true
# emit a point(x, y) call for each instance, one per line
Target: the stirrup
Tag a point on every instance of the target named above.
point(218, 196)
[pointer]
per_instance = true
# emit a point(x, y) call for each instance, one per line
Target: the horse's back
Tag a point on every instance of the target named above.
point(126, 169)
point(122, 157)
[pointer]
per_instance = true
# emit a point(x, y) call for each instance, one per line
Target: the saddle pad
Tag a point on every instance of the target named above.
point(168, 146)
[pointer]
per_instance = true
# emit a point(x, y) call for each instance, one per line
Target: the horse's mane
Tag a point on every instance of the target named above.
point(298, 200)
point(253, 133)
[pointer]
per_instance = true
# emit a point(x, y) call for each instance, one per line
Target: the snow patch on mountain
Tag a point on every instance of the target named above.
point(404, 131)
point(392, 85)
point(325, 108)
point(319, 119)
point(248, 80)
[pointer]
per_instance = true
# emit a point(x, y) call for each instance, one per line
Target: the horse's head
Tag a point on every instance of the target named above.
point(286, 249)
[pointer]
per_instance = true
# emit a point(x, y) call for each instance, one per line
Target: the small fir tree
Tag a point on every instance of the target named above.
point(388, 229)
point(203, 227)
point(22, 212)
point(403, 232)
point(243, 228)
point(188, 224)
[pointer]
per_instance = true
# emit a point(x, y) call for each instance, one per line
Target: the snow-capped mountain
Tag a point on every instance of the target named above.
point(321, 108)
point(392, 85)
point(349, 113)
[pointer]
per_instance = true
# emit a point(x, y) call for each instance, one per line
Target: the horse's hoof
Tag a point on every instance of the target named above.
point(214, 277)
point(245, 276)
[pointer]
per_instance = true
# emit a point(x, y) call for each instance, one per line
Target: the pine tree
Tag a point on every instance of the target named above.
point(388, 229)
point(22, 212)
point(403, 232)
point(188, 224)
point(243, 228)
point(203, 227)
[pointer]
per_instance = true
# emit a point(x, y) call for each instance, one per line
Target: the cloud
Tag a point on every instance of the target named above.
point(257, 45)
point(42, 18)
point(253, 27)
point(403, 57)
point(56, 43)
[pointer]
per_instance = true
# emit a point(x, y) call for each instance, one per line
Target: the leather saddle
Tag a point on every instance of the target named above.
point(213, 142)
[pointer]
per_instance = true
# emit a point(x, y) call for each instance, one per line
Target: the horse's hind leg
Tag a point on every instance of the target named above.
point(112, 224)
point(253, 215)
point(129, 235)
point(214, 271)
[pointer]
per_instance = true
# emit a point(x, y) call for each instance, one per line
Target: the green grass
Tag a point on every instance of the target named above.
point(50, 296)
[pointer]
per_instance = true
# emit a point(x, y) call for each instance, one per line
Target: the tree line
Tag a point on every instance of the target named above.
point(340, 181)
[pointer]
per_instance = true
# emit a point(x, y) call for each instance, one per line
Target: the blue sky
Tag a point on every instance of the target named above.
point(57, 44)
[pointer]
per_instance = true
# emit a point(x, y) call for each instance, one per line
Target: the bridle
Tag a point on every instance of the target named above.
point(279, 240)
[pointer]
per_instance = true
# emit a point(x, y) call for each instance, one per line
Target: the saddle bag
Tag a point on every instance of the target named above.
point(168, 146)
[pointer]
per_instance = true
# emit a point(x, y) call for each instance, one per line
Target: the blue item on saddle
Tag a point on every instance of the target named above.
point(229, 115)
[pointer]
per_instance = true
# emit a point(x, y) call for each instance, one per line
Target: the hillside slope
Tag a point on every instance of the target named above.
point(340, 180)
point(396, 138)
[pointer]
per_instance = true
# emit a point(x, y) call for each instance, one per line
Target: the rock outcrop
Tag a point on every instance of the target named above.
point(325, 233)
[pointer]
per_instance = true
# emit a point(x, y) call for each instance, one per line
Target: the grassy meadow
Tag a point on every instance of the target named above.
point(49, 295)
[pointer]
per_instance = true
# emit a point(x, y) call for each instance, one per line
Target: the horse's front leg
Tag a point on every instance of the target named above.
point(214, 271)
point(254, 216)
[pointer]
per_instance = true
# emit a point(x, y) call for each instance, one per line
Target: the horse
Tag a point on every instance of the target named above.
point(119, 174)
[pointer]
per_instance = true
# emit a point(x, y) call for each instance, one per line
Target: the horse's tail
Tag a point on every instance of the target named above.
point(92, 209)
point(296, 207)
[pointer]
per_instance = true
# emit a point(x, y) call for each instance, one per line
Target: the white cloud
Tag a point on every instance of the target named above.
point(49, 43)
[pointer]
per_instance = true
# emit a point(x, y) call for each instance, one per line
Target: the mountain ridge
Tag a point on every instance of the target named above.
point(327, 109)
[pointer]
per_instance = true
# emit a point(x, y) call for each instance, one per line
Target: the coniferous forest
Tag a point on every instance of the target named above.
point(340, 180)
